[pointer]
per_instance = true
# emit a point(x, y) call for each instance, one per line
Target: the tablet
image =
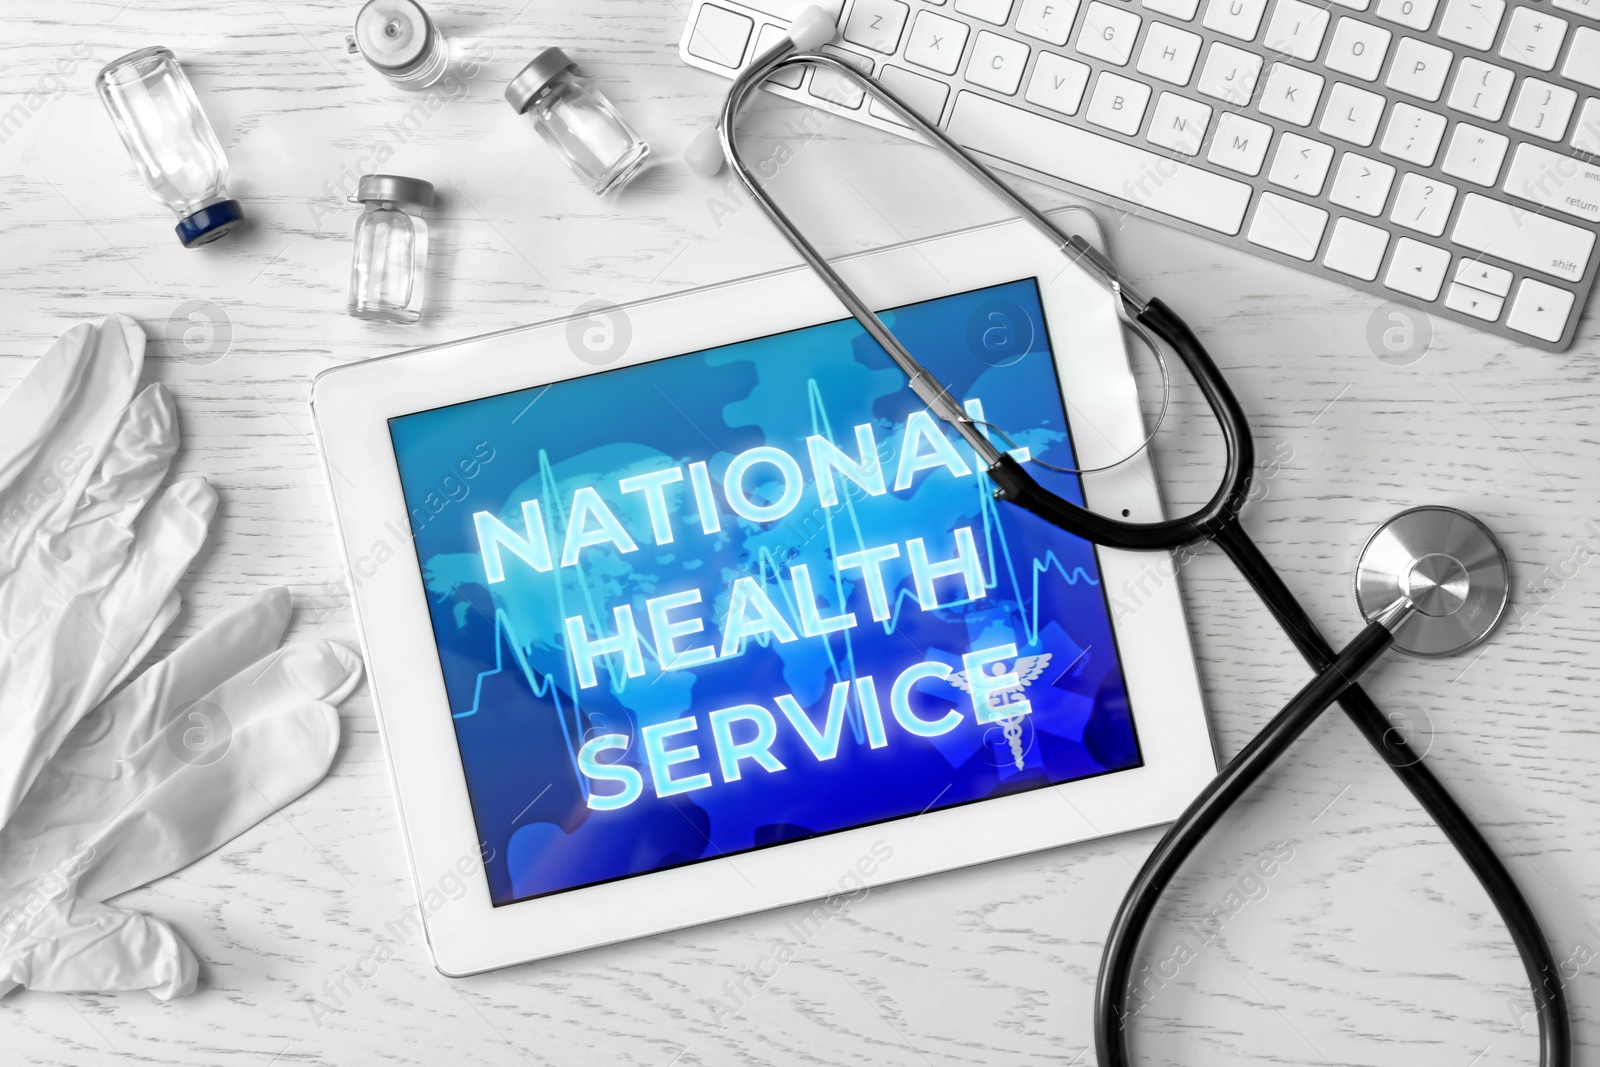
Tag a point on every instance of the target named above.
point(688, 609)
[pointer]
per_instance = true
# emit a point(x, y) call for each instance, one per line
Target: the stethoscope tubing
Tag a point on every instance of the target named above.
point(1217, 520)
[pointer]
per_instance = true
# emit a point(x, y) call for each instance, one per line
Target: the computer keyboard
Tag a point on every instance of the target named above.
point(1442, 153)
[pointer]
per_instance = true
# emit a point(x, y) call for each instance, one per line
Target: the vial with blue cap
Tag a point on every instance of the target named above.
point(172, 144)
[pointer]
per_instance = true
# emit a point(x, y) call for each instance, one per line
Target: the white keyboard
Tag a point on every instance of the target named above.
point(1443, 153)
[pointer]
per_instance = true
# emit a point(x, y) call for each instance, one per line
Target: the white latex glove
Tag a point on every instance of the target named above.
point(192, 753)
point(90, 552)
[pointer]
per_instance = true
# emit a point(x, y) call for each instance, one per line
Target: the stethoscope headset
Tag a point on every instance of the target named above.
point(1431, 581)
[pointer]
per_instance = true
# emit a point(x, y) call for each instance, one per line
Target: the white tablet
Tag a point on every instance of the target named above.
point(688, 609)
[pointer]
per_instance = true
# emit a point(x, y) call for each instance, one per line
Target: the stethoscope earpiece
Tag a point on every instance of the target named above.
point(1449, 565)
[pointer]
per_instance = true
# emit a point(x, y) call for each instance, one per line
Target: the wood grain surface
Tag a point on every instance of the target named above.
point(1370, 944)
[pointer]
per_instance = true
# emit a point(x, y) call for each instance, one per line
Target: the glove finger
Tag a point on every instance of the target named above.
point(59, 670)
point(165, 616)
point(198, 807)
point(73, 945)
point(227, 645)
point(131, 471)
point(82, 556)
point(56, 424)
point(249, 743)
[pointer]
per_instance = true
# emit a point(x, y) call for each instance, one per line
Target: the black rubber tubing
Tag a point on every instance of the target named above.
point(1218, 520)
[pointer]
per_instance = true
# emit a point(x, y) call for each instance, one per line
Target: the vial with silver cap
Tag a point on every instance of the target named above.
point(401, 42)
point(173, 147)
point(390, 260)
point(577, 121)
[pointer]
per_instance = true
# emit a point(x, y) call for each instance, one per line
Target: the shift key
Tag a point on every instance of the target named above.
point(1535, 241)
point(1114, 168)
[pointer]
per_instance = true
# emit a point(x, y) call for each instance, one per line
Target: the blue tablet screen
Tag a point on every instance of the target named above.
point(744, 596)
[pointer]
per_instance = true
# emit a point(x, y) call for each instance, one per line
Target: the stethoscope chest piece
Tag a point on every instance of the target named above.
point(1452, 568)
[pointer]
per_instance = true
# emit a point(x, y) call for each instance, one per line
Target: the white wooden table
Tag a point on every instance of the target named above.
point(1371, 945)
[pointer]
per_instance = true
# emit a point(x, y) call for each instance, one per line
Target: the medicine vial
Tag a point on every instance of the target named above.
point(577, 121)
point(390, 261)
point(401, 42)
point(173, 147)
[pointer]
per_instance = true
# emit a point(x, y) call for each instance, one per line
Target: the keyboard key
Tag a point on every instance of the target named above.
point(1047, 20)
point(1469, 301)
point(1475, 154)
point(789, 77)
point(995, 11)
point(1358, 49)
point(836, 88)
point(1287, 226)
point(1230, 74)
point(1533, 38)
point(1297, 29)
point(1419, 69)
point(1472, 22)
point(787, 10)
point(1118, 103)
point(1240, 144)
point(1414, 13)
point(720, 36)
point(1108, 33)
point(1586, 135)
point(1481, 276)
point(1417, 269)
point(1156, 182)
point(1540, 310)
point(1291, 94)
point(1587, 8)
point(1543, 109)
point(1169, 53)
point(926, 96)
point(1179, 123)
point(1362, 184)
point(1301, 164)
point(997, 62)
point(876, 24)
point(936, 42)
point(1423, 204)
point(1481, 89)
point(1519, 236)
point(1178, 9)
point(1555, 181)
point(1352, 114)
point(1356, 249)
point(1236, 18)
point(1583, 58)
point(1058, 83)
point(1413, 135)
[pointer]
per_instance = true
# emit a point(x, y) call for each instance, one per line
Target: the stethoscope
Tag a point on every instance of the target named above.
point(1431, 581)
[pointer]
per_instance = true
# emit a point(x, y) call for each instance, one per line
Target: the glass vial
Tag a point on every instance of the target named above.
point(172, 145)
point(390, 260)
point(401, 42)
point(577, 121)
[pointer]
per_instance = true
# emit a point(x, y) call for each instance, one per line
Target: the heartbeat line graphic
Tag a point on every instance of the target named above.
point(841, 662)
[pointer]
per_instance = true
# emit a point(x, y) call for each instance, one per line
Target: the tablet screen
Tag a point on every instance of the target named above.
point(749, 595)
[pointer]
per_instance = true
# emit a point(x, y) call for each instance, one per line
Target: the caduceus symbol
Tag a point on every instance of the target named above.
point(1027, 669)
